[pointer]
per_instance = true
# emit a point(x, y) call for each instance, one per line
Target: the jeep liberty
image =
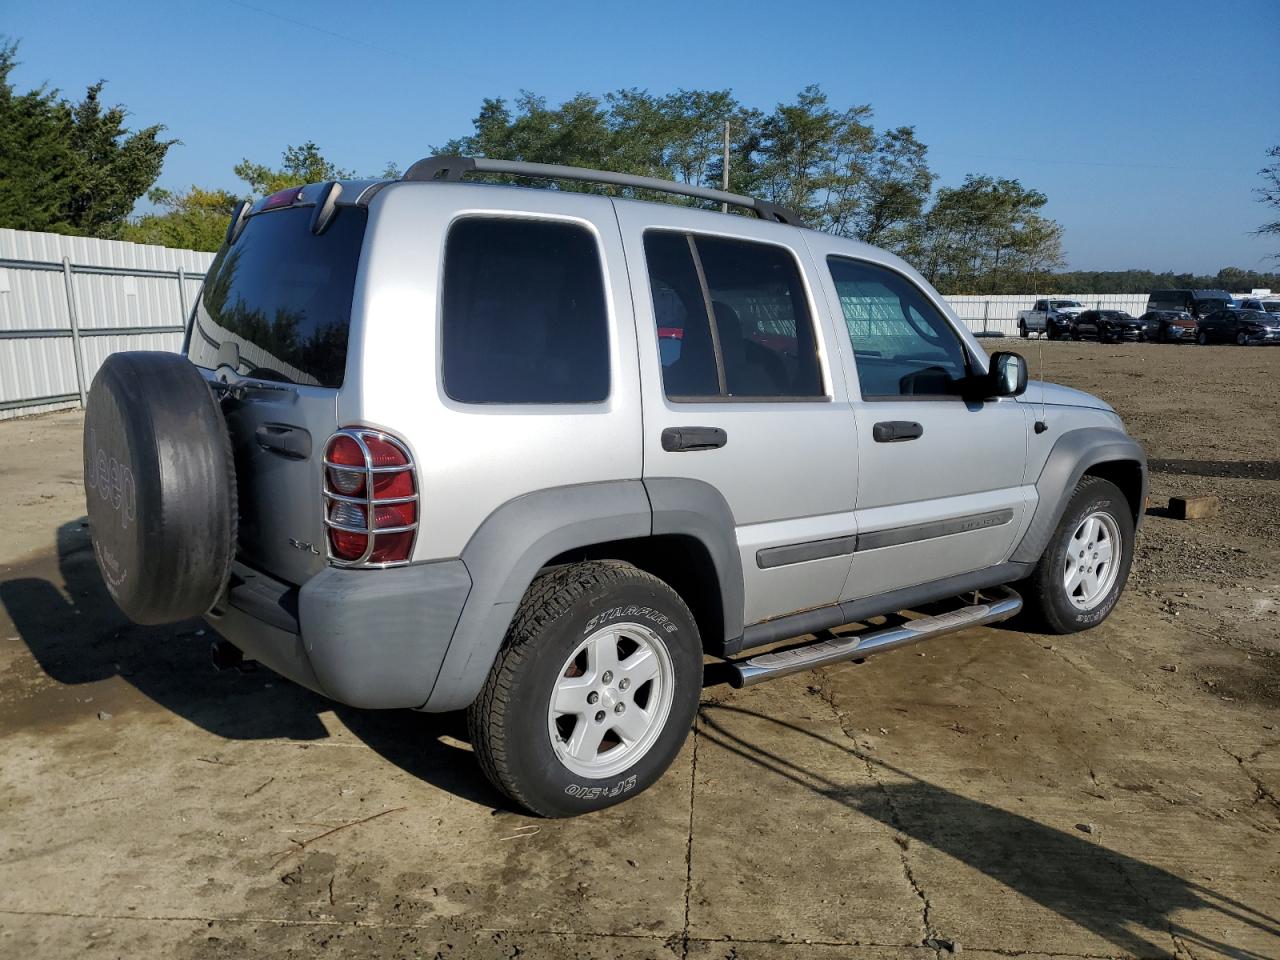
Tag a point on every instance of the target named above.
point(441, 444)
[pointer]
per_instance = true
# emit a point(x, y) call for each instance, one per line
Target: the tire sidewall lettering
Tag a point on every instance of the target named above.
point(631, 612)
point(584, 791)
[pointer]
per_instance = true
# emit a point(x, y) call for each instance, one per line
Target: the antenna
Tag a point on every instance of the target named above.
point(724, 168)
point(1041, 425)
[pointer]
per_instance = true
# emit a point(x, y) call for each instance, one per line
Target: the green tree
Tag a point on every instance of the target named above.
point(1269, 192)
point(194, 220)
point(894, 191)
point(576, 133)
point(300, 165)
point(35, 153)
point(814, 159)
point(987, 236)
point(679, 136)
point(71, 167)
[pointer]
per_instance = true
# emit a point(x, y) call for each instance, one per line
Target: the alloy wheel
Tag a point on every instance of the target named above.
point(611, 700)
point(1092, 560)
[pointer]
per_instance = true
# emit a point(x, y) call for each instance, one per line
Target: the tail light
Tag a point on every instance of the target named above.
point(370, 499)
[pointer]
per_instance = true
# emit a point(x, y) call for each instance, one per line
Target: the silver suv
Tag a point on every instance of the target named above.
point(535, 453)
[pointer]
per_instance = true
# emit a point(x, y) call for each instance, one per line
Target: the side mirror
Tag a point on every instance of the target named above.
point(1007, 375)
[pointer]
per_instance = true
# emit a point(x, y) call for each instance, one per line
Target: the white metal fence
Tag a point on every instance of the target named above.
point(999, 314)
point(68, 302)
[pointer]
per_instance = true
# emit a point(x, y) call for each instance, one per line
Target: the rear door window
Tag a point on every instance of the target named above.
point(732, 319)
point(524, 313)
point(281, 297)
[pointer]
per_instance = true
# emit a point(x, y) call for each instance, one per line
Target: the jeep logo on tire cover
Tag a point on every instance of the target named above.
point(112, 480)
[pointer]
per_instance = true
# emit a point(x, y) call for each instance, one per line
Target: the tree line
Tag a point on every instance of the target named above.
point(73, 167)
point(830, 165)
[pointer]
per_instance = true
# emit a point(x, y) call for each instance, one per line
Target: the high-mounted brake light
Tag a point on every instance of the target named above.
point(370, 499)
point(281, 198)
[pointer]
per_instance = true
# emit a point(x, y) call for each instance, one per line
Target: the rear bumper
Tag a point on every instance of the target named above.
point(367, 638)
point(1270, 336)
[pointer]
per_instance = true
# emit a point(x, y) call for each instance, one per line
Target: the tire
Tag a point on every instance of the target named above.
point(527, 749)
point(1047, 602)
point(1049, 334)
point(1241, 339)
point(1022, 330)
point(160, 486)
point(1202, 338)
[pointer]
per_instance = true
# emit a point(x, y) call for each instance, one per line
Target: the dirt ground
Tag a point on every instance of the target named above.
point(1112, 793)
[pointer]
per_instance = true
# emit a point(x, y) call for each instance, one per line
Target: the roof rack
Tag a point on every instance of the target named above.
point(455, 168)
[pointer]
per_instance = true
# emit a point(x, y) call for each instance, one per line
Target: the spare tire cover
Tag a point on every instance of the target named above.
point(160, 486)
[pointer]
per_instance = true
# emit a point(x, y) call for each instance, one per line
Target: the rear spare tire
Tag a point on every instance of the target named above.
point(160, 486)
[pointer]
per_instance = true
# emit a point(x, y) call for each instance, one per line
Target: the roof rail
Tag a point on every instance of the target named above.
point(455, 168)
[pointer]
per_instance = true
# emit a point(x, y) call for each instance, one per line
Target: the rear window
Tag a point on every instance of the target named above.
point(524, 316)
point(277, 303)
point(732, 319)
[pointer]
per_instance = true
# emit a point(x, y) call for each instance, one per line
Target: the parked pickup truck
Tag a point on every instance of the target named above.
point(1050, 317)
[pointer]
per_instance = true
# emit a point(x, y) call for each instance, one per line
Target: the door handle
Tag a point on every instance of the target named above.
point(291, 442)
point(676, 439)
point(895, 431)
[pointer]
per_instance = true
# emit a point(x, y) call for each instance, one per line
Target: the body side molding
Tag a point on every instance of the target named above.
point(789, 553)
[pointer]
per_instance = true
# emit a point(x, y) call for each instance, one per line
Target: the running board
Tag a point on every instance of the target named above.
point(821, 653)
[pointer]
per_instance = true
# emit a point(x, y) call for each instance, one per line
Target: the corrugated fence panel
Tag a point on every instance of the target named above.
point(998, 314)
point(33, 297)
point(114, 288)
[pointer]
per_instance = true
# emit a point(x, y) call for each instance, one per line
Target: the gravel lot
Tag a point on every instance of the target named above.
point(1112, 793)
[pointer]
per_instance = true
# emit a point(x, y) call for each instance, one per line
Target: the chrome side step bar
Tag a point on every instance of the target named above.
point(767, 666)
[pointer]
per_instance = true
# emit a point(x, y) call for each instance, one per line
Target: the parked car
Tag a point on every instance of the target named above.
point(1105, 326)
point(1269, 305)
point(1239, 326)
point(1167, 326)
point(1050, 316)
point(439, 445)
point(1198, 303)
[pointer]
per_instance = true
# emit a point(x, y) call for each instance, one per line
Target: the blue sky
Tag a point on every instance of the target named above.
point(1144, 123)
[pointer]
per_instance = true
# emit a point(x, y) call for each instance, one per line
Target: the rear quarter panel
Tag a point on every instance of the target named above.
point(472, 458)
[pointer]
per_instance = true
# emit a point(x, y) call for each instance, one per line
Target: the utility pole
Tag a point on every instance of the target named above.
point(724, 169)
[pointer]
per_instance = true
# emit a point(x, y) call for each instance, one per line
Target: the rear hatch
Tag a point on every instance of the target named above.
point(272, 323)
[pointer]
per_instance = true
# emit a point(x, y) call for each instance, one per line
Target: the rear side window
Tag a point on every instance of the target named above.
point(524, 317)
point(277, 303)
point(732, 319)
point(902, 345)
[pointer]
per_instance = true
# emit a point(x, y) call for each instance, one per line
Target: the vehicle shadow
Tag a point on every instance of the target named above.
point(60, 608)
point(1131, 904)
